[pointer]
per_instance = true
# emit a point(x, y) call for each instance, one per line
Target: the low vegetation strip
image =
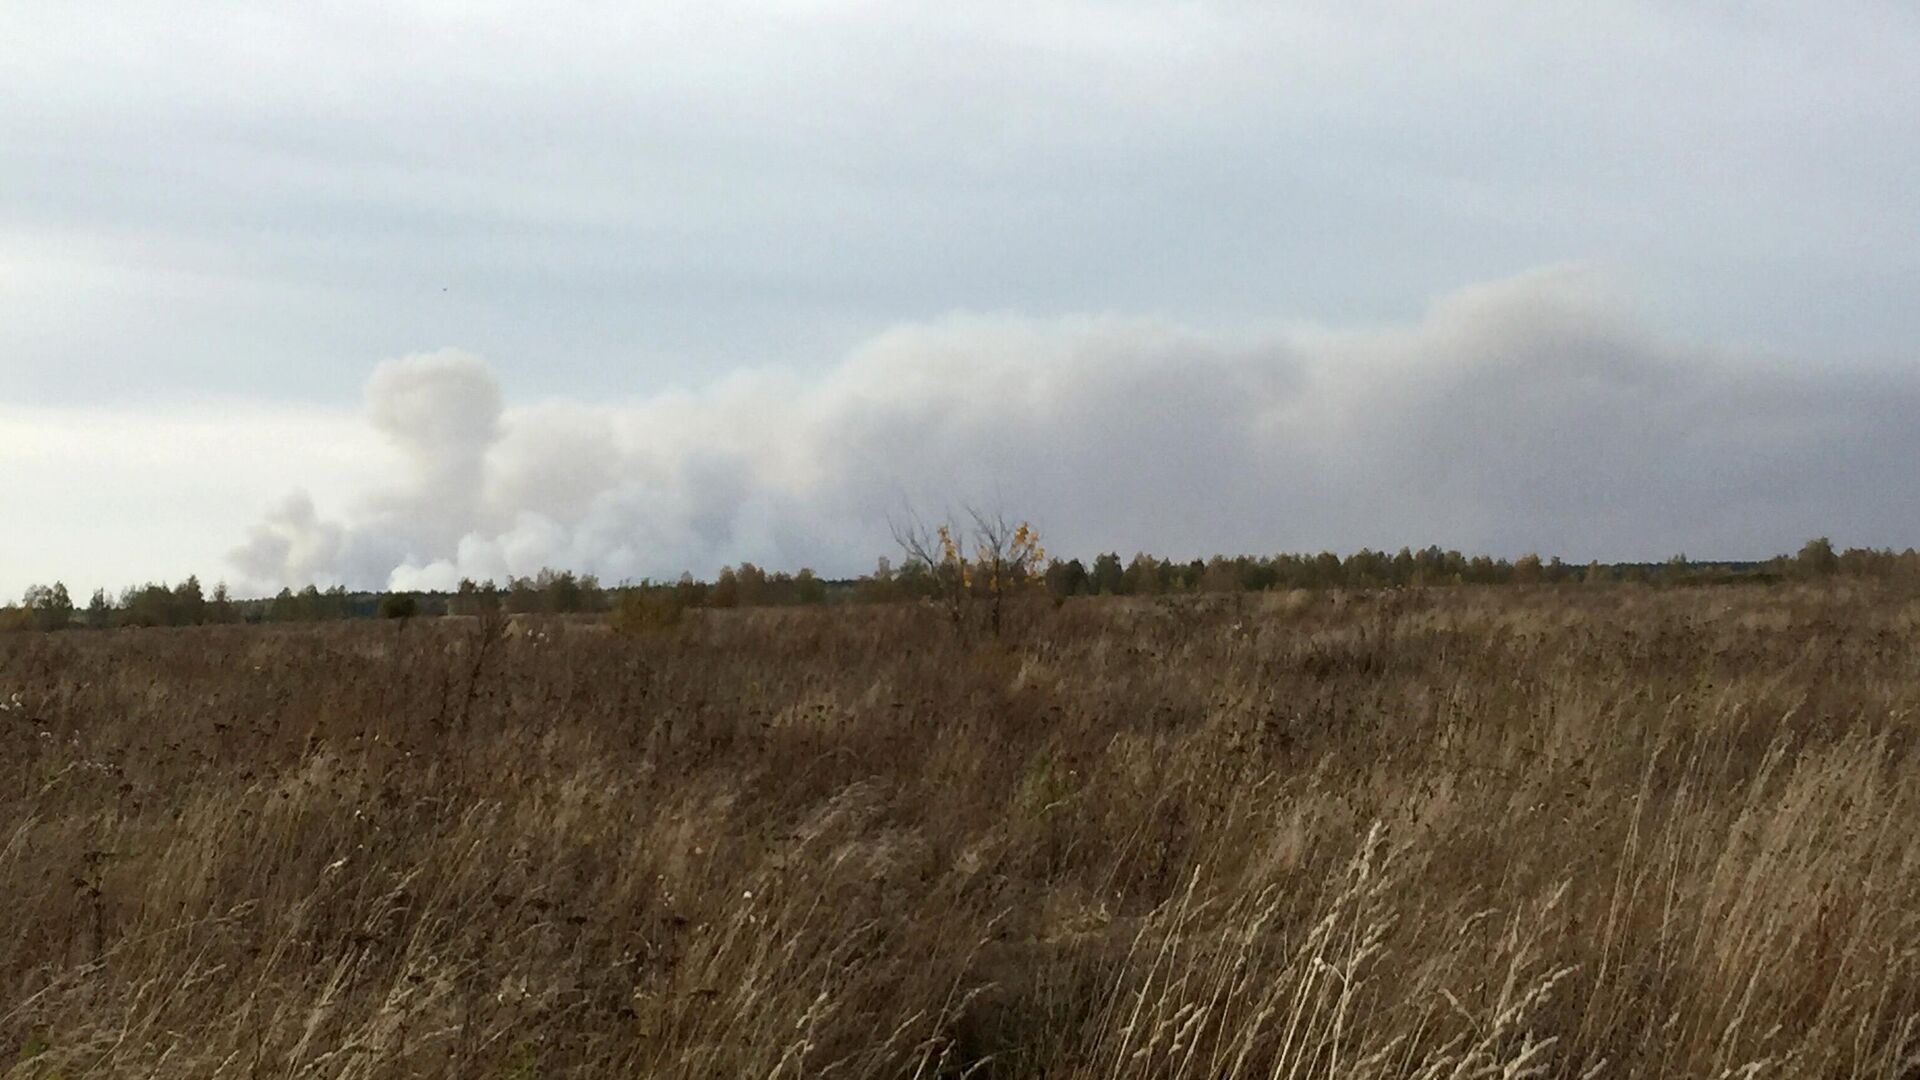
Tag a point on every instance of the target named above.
point(987, 560)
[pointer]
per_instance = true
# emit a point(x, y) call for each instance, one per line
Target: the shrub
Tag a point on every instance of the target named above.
point(648, 609)
point(399, 606)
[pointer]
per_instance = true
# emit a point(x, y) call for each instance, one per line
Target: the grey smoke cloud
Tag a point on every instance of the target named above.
point(441, 413)
point(1532, 413)
point(291, 544)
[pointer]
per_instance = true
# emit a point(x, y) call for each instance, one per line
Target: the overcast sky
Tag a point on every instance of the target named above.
point(391, 292)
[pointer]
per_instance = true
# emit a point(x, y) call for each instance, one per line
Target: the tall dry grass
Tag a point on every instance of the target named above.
point(1443, 834)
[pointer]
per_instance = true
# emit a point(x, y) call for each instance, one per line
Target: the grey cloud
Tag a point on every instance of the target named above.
point(1527, 414)
point(279, 192)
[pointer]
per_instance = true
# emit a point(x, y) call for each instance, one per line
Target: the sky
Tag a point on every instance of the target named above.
point(389, 294)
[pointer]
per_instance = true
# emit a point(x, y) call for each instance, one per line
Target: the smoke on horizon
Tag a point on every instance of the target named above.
point(1521, 415)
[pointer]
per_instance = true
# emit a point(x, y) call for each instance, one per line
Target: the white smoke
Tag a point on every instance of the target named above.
point(291, 544)
point(1525, 414)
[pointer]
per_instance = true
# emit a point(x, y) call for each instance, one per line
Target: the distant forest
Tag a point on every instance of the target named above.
point(560, 592)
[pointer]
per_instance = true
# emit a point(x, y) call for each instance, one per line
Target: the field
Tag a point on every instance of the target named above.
point(1603, 831)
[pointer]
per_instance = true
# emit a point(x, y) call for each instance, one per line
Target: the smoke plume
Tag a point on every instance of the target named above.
point(1525, 414)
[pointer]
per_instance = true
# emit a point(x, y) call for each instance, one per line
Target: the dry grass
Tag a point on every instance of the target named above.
point(1443, 834)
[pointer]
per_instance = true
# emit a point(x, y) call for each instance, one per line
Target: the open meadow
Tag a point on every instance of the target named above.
point(1452, 832)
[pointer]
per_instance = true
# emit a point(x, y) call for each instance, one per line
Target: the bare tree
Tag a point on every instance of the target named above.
point(935, 551)
point(988, 562)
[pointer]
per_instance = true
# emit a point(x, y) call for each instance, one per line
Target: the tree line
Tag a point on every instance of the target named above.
point(935, 569)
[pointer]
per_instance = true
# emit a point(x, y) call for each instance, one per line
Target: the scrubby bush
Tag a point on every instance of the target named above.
point(646, 610)
point(979, 569)
point(399, 606)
